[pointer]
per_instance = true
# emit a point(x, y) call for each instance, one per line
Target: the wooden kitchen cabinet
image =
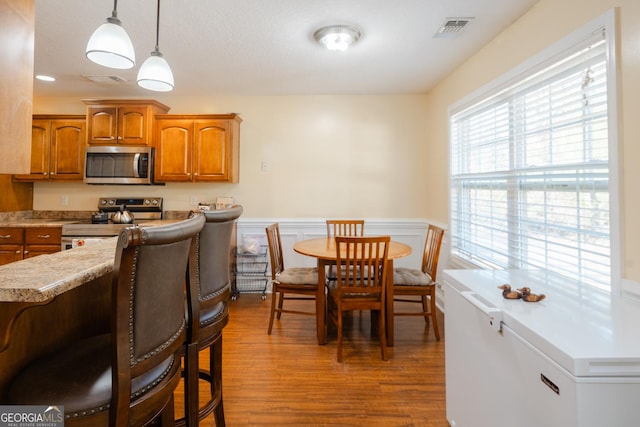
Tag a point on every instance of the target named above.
point(17, 243)
point(39, 241)
point(197, 148)
point(11, 244)
point(122, 122)
point(57, 148)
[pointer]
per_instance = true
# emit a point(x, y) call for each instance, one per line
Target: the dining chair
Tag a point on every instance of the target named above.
point(208, 294)
point(409, 282)
point(125, 377)
point(301, 283)
point(342, 227)
point(345, 227)
point(364, 261)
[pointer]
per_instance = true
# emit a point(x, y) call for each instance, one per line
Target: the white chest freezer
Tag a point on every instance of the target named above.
point(572, 359)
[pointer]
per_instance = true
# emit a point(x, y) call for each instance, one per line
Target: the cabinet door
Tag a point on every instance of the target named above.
point(67, 149)
point(211, 151)
point(10, 253)
point(173, 150)
point(101, 125)
point(132, 125)
point(40, 144)
point(11, 244)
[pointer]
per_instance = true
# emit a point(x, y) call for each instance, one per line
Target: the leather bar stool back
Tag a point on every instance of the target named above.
point(208, 294)
point(125, 377)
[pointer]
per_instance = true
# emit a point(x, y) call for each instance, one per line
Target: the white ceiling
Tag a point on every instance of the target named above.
point(266, 47)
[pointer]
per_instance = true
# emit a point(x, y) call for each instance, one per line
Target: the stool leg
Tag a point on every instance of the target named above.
point(216, 383)
point(191, 391)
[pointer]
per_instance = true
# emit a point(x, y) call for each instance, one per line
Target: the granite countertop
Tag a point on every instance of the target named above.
point(43, 277)
point(36, 222)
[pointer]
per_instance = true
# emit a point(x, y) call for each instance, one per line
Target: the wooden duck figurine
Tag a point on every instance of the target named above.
point(529, 297)
point(508, 293)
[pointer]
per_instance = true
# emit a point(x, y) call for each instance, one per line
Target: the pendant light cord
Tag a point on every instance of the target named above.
point(157, 27)
point(114, 13)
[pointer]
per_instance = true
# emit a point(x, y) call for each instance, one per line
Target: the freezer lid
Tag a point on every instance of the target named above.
point(588, 332)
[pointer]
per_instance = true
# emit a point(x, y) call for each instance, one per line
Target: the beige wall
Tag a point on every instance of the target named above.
point(546, 23)
point(329, 156)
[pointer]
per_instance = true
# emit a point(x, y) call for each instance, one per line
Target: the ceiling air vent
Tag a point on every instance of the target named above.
point(106, 79)
point(452, 27)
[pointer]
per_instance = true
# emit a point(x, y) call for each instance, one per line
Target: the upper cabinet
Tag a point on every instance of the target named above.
point(57, 148)
point(122, 122)
point(197, 148)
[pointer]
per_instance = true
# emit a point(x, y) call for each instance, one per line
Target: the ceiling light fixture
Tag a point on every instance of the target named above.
point(337, 37)
point(155, 73)
point(45, 78)
point(110, 45)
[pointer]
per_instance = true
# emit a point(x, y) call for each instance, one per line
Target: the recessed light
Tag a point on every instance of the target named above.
point(45, 78)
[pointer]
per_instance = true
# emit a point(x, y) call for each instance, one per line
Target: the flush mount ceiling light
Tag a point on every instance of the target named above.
point(155, 73)
point(337, 37)
point(45, 78)
point(110, 45)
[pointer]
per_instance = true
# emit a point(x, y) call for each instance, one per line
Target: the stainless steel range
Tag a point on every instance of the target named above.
point(100, 225)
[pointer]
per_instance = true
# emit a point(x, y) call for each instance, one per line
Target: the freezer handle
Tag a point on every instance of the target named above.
point(494, 314)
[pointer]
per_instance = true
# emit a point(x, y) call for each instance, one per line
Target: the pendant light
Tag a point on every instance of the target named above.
point(110, 45)
point(155, 73)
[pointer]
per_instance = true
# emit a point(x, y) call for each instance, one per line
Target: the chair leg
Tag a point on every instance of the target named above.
point(215, 367)
point(273, 309)
point(434, 314)
point(280, 303)
point(382, 334)
point(425, 308)
point(339, 327)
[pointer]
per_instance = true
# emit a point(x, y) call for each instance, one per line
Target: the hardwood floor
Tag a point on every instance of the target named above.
point(288, 379)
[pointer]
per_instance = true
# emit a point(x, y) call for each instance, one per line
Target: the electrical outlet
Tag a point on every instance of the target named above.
point(265, 166)
point(193, 200)
point(64, 200)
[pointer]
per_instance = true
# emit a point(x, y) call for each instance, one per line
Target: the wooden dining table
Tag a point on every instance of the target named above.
point(324, 250)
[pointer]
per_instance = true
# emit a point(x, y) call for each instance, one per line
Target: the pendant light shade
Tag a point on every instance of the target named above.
point(155, 73)
point(110, 45)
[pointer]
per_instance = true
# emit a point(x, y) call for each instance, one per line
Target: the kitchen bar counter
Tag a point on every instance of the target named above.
point(41, 278)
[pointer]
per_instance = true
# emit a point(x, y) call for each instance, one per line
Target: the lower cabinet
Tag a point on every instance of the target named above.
point(39, 241)
point(17, 243)
point(11, 244)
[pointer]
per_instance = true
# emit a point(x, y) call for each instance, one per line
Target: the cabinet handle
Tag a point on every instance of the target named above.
point(44, 236)
point(46, 173)
point(195, 174)
point(53, 173)
point(6, 236)
point(18, 252)
point(25, 252)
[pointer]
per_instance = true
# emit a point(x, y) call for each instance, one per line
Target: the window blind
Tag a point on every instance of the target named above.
point(529, 171)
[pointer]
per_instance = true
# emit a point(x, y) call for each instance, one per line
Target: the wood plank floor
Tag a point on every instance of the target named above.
point(287, 379)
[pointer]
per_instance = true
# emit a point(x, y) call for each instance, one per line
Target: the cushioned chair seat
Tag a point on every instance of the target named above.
point(410, 277)
point(298, 275)
point(78, 378)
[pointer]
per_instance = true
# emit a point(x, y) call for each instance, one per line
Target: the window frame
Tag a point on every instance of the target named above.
point(550, 55)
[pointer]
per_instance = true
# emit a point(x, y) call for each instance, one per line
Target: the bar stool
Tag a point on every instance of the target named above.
point(208, 294)
point(127, 376)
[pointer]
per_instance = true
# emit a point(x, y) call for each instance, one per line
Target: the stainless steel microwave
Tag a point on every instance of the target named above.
point(118, 165)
